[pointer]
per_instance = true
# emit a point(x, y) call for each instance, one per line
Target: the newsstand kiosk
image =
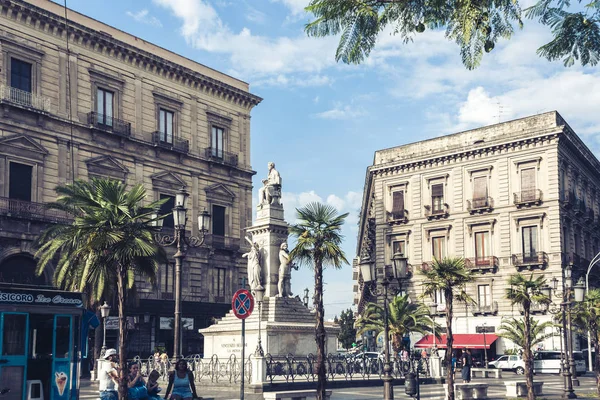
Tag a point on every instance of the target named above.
point(39, 342)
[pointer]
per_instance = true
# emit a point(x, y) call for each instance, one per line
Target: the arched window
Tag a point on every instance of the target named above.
point(21, 269)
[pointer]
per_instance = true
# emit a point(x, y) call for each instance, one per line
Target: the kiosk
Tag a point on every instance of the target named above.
point(40, 336)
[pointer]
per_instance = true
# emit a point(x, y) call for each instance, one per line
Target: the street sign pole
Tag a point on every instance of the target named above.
point(243, 357)
point(242, 305)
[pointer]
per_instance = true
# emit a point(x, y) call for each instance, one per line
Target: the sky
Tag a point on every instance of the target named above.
point(321, 121)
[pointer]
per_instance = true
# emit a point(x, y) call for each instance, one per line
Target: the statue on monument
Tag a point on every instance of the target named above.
point(254, 268)
point(284, 285)
point(271, 186)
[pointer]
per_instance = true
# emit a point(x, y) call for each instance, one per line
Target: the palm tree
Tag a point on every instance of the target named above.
point(513, 329)
point(586, 318)
point(524, 291)
point(404, 317)
point(319, 239)
point(448, 277)
point(110, 240)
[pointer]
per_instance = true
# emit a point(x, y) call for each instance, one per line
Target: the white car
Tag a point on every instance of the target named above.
point(509, 362)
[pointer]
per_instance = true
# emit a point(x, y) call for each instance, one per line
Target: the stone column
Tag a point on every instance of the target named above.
point(435, 365)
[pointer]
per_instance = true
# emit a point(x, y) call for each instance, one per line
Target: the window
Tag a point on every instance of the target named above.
point(218, 220)
point(20, 75)
point(577, 243)
point(217, 142)
point(165, 125)
point(438, 247)
point(167, 208)
point(104, 107)
point(482, 247)
point(565, 238)
point(219, 282)
point(528, 192)
point(399, 246)
point(398, 204)
point(438, 297)
point(167, 279)
point(19, 187)
point(529, 243)
point(484, 295)
point(480, 192)
point(437, 198)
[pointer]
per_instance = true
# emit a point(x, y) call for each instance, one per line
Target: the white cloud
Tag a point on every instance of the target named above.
point(342, 112)
point(256, 16)
point(316, 100)
point(296, 7)
point(143, 17)
point(287, 80)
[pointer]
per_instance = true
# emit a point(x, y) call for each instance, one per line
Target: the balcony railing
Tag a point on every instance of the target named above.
point(179, 145)
point(397, 217)
point(534, 308)
point(567, 198)
point(530, 260)
point(109, 124)
point(590, 216)
point(579, 207)
point(32, 211)
point(22, 98)
point(479, 205)
point(528, 197)
point(485, 309)
point(220, 156)
point(435, 212)
point(222, 242)
point(482, 263)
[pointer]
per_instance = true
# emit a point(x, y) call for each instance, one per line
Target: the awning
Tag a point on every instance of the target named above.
point(461, 341)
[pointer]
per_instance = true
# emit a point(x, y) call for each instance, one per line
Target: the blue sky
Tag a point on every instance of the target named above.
point(321, 122)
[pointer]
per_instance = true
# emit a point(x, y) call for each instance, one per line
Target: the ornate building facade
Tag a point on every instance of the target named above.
point(519, 196)
point(81, 99)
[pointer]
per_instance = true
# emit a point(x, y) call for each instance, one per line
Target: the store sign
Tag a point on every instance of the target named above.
point(40, 297)
point(167, 323)
point(112, 323)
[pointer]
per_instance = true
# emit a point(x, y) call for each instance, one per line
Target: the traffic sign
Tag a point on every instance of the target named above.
point(242, 304)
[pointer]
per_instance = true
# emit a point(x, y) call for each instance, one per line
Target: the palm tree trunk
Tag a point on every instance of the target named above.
point(320, 331)
point(449, 342)
point(122, 293)
point(527, 357)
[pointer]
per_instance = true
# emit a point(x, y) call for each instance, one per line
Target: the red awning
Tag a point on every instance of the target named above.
point(461, 341)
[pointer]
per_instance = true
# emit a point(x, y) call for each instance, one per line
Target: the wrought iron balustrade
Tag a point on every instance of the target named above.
point(222, 242)
point(22, 98)
point(482, 263)
point(180, 145)
point(480, 204)
point(35, 211)
point(580, 207)
point(220, 156)
point(398, 216)
point(109, 124)
point(530, 260)
point(534, 308)
point(485, 309)
point(528, 197)
point(437, 211)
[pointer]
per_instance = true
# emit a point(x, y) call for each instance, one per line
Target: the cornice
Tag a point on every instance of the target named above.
point(100, 42)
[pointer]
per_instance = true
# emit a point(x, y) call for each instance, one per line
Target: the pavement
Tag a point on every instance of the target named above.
point(553, 389)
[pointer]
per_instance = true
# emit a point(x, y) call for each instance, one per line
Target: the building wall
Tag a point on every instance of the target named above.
point(498, 155)
point(52, 132)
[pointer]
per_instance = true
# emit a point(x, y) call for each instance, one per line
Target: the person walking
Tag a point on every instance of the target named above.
point(108, 377)
point(181, 381)
point(466, 366)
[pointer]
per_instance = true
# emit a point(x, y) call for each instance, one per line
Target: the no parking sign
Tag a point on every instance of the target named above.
point(242, 304)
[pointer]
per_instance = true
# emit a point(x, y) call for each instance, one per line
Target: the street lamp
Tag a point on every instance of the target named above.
point(587, 288)
point(433, 312)
point(485, 358)
point(259, 294)
point(179, 239)
point(397, 270)
point(104, 312)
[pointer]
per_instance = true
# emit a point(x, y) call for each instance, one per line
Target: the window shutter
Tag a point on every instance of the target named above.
point(398, 202)
point(480, 187)
point(528, 179)
point(437, 190)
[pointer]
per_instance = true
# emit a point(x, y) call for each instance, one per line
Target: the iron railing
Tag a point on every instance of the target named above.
point(176, 144)
point(220, 156)
point(222, 242)
point(22, 98)
point(579, 207)
point(485, 308)
point(590, 216)
point(532, 196)
point(481, 263)
point(530, 260)
point(480, 204)
point(534, 308)
point(33, 211)
point(433, 211)
point(109, 124)
point(397, 216)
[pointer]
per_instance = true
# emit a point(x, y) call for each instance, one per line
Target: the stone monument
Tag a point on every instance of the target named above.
point(287, 325)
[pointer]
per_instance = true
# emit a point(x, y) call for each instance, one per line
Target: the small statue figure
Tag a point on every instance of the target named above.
point(271, 186)
point(253, 265)
point(284, 285)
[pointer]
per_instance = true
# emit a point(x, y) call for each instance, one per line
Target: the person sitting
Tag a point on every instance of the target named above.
point(181, 381)
point(152, 385)
point(136, 387)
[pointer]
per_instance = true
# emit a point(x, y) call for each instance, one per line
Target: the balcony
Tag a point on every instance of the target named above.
point(220, 156)
point(480, 205)
point(22, 98)
point(535, 308)
point(567, 199)
point(485, 309)
point(528, 198)
point(482, 264)
point(178, 145)
point(397, 217)
point(109, 124)
point(437, 211)
point(589, 216)
point(218, 242)
point(530, 260)
point(32, 211)
point(579, 207)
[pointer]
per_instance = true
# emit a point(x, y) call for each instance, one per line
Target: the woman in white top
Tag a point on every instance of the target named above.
point(108, 377)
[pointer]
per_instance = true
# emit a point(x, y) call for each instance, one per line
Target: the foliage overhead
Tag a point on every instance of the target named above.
point(475, 26)
point(448, 274)
point(513, 329)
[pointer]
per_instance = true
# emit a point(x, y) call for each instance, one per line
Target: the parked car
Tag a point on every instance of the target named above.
point(509, 362)
point(366, 362)
point(550, 362)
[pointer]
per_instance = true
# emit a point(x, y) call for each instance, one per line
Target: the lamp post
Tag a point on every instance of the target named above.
point(397, 270)
point(485, 358)
point(179, 240)
point(587, 288)
point(433, 312)
point(104, 312)
point(259, 294)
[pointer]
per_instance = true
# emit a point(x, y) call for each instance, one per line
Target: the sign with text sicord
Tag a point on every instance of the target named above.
point(23, 296)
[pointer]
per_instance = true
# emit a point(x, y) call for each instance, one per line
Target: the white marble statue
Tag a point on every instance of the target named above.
point(271, 186)
point(254, 268)
point(284, 285)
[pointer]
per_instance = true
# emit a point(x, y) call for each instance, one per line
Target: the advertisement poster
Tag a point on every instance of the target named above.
point(61, 380)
